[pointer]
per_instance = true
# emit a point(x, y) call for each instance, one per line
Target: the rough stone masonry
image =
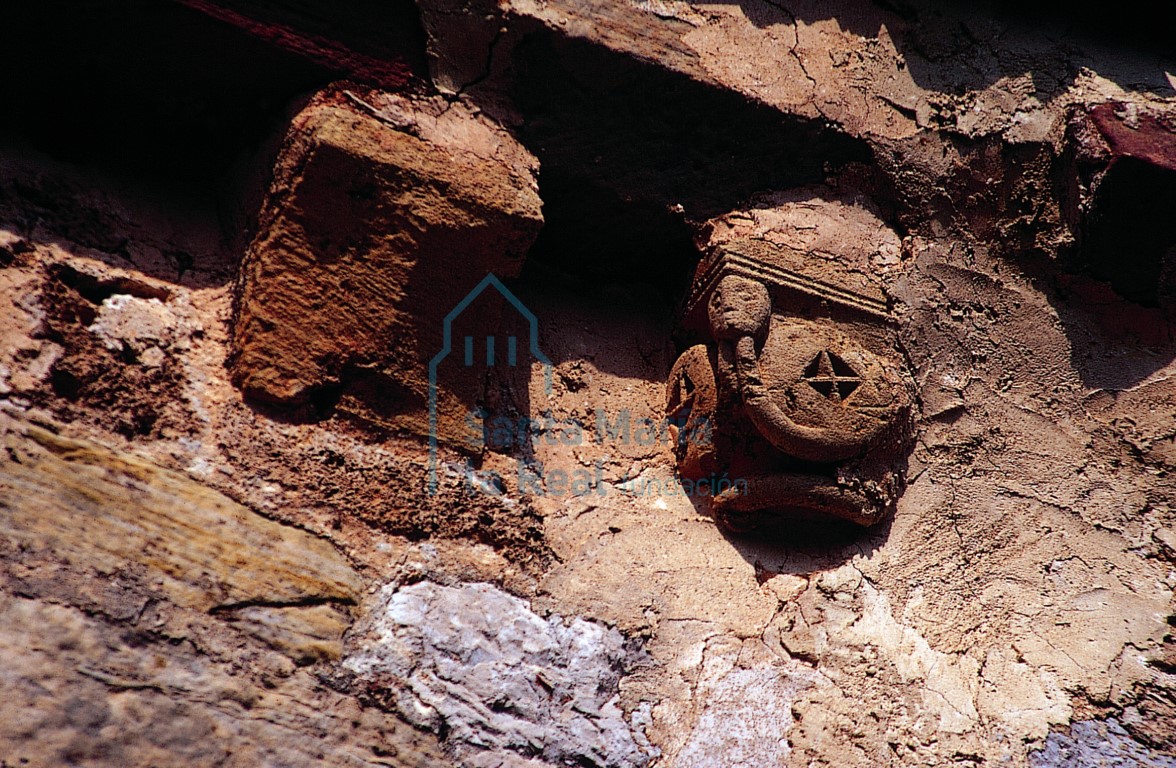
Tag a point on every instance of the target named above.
point(909, 266)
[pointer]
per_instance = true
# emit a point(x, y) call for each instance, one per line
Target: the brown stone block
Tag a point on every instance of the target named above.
point(384, 212)
point(76, 504)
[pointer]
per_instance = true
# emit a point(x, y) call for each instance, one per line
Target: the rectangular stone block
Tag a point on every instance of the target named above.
point(384, 212)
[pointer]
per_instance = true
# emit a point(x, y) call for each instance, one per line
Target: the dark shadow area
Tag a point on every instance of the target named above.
point(1140, 27)
point(1130, 230)
point(589, 322)
point(633, 154)
point(1114, 343)
point(154, 124)
point(320, 406)
point(145, 89)
point(1115, 293)
point(620, 330)
point(377, 42)
point(149, 226)
point(798, 544)
point(590, 231)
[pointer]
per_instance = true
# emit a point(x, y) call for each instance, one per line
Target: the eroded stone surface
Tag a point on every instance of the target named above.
point(500, 681)
point(160, 621)
point(745, 701)
point(981, 633)
point(795, 396)
point(78, 691)
point(1022, 583)
point(68, 499)
point(1093, 743)
point(375, 198)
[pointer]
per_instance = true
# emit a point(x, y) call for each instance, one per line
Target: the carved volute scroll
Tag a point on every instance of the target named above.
point(796, 394)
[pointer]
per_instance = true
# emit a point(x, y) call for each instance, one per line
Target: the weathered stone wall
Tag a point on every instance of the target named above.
point(227, 541)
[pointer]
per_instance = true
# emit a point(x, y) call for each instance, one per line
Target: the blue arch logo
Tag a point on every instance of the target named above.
point(491, 351)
